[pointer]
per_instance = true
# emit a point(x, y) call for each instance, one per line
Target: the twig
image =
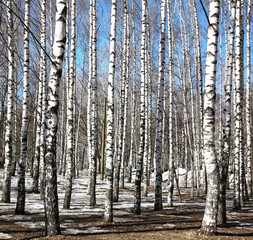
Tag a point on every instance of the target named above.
point(36, 40)
point(205, 12)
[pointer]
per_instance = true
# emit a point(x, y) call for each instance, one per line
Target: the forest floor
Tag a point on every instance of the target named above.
point(81, 221)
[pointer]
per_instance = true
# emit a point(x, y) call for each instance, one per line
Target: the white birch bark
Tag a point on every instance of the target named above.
point(248, 146)
point(171, 83)
point(109, 151)
point(209, 223)
point(90, 92)
point(126, 84)
point(159, 118)
point(94, 138)
point(145, 155)
point(38, 165)
point(238, 113)
point(149, 107)
point(20, 206)
point(10, 104)
point(133, 100)
point(51, 200)
point(137, 196)
point(227, 117)
point(70, 110)
point(43, 73)
point(200, 82)
point(118, 173)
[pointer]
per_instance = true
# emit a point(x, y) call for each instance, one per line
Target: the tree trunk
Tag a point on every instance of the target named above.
point(248, 146)
point(137, 195)
point(94, 137)
point(43, 77)
point(10, 102)
point(159, 119)
point(51, 200)
point(108, 215)
point(238, 112)
point(209, 222)
point(20, 206)
point(227, 119)
point(171, 83)
point(70, 111)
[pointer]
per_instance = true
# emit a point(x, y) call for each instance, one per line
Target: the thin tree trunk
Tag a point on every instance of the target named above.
point(227, 118)
point(10, 102)
point(20, 206)
point(70, 111)
point(94, 137)
point(43, 75)
point(238, 112)
point(108, 214)
point(51, 200)
point(171, 83)
point(248, 146)
point(137, 195)
point(90, 93)
point(159, 119)
point(103, 143)
point(200, 82)
point(133, 101)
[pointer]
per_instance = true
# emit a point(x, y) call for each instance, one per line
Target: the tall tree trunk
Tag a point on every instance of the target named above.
point(119, 171)
point(125, 80)
point(209, 222)
point(51, 200)
point(200, 82)
point(43, 76)
point(133, 100)
point(159, 118)
point(70, 112)
point(248, 147)
point(137, 195)
point(227, 118)
point(103, 143)
point(90, 92)
point(94, 137)
point(108, 215)
point(10, 102)
point(20, 206)
point(171, 83)
point(238, 112)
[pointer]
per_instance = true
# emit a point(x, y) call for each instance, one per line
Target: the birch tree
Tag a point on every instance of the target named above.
point(10, 104)
point(238, 113)
point(94, 137)
point(123, 109)
point(210, 216)
point(20, 206)
point(39, 145)
point(159, 117)
point(133, 99)
point(70, 113)
point(171, 152)
point(43, 76)
point(137, 195)
point(248, 147)
point(51, 197)
point(227, 117)
point(125, 80)
point(108, 215)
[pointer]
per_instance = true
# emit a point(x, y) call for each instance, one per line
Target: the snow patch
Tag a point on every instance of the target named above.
point(5, 236)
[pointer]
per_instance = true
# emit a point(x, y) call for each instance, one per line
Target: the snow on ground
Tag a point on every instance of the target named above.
point(5, 236)
point(80, 204)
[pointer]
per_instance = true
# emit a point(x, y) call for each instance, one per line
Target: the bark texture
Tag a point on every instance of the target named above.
point(209, 223)
point(52, 223)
